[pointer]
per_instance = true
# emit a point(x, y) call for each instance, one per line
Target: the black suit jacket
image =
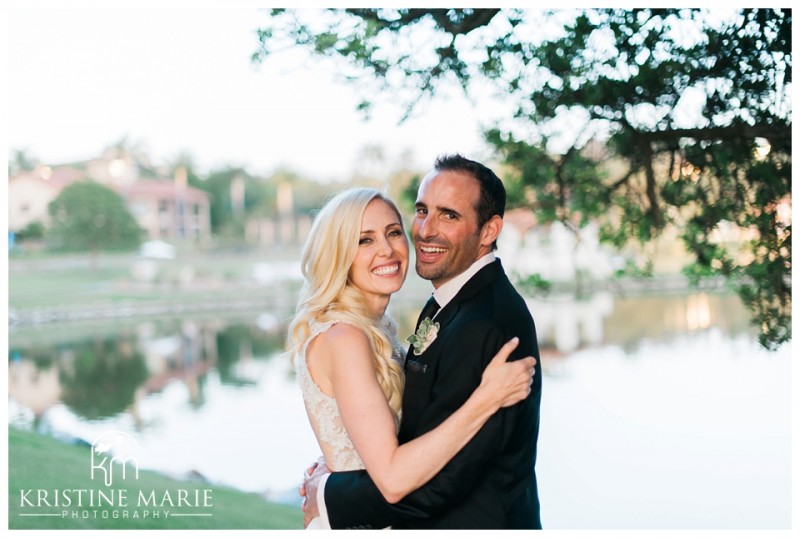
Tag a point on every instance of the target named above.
point(491, 482)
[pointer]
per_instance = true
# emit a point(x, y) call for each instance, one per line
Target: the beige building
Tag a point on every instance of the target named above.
point(166, 209)
point(29, 194)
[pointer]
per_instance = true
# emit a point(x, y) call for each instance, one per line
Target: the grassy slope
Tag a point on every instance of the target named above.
point(68, 280)
point(38, 462)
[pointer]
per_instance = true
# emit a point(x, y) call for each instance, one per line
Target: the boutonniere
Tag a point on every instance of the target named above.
point(424, 336)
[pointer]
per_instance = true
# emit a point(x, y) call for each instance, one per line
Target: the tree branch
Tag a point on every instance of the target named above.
point(461, 25)
point(476, 19)
point(770, 132)
point(650, 174)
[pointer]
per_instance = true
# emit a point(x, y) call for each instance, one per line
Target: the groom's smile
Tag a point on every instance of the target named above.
point(428, 254)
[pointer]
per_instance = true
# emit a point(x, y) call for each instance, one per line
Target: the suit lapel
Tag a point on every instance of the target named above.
point(481, 279)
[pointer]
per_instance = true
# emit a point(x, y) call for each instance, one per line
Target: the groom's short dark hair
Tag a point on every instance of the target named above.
point(492, 200)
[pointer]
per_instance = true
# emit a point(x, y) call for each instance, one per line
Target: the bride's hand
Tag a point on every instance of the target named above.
point(308, 489)
point(507, 383)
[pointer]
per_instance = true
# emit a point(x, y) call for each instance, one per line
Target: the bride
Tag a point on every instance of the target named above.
point(348, 358)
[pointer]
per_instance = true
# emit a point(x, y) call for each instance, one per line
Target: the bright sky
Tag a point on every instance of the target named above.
point(181, 79)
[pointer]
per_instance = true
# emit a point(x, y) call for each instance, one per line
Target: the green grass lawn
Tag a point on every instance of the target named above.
point(38, 466)
point(69, 282)
point(38, 288)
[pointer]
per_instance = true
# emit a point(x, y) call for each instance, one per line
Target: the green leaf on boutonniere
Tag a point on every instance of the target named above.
point(424, 337)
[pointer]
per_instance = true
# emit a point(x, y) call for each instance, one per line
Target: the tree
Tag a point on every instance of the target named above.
point(33, 231)
point(228, 213)
point(693, 104)
point(20, 161)
point(89, 216)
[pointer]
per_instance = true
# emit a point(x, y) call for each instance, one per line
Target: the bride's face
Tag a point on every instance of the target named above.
point(381, 261)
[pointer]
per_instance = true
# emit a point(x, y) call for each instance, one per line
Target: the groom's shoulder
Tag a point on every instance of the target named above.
point(501, 288)
point(490, 292)
point(496, 300)
point(502, 303)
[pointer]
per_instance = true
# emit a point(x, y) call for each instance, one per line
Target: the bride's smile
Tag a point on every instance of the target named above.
point(381, 261)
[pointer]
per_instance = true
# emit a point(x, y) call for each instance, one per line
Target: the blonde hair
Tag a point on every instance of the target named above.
point(328, 294)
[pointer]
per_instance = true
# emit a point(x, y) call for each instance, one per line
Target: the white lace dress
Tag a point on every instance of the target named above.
point(323, 413)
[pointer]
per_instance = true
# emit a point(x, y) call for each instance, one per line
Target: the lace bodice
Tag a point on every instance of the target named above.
point(323, 413)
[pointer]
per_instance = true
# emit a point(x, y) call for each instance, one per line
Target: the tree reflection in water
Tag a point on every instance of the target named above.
point(102, 378)
point(103, 373)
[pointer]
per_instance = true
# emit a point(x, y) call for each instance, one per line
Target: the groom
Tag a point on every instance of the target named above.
point(491, 483)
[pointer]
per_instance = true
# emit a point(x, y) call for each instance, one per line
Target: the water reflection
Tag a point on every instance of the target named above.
point(99, 377)
point(214, 397)
point(99, 373)
point(102, 374)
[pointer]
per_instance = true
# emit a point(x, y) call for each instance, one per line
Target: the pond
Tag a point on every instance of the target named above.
point(658, 411)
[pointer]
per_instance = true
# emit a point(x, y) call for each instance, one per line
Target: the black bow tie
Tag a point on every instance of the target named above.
point(431, 307)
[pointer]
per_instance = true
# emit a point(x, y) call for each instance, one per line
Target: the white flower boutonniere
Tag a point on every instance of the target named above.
point(424, 336)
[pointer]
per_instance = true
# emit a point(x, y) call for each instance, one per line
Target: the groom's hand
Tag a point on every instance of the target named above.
point(309, 490)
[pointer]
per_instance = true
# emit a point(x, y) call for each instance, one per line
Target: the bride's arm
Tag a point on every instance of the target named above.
point(400, 469)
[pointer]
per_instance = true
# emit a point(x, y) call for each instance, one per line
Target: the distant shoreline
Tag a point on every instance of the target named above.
point(62, 289)
point(283, 299)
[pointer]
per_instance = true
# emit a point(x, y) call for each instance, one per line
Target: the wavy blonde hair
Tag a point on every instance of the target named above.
point(328, 294)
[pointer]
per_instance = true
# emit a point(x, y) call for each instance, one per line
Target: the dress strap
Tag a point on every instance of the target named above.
point(319, 328)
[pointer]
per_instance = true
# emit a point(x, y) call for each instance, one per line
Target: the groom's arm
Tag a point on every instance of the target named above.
point(353, 500)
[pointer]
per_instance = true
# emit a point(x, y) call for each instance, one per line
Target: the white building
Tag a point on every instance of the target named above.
point(551, 250)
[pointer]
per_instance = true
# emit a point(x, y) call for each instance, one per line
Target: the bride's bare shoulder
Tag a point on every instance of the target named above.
point(344, 336)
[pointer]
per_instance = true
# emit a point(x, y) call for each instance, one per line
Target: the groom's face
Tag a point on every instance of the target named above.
point(445, 228)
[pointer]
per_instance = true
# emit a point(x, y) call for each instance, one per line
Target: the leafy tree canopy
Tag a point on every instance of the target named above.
point(691, 109)
point(32, 231)
point(235, 194)
point(88, 216)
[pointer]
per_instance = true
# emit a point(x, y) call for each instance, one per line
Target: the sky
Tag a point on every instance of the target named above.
point(180, 80)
